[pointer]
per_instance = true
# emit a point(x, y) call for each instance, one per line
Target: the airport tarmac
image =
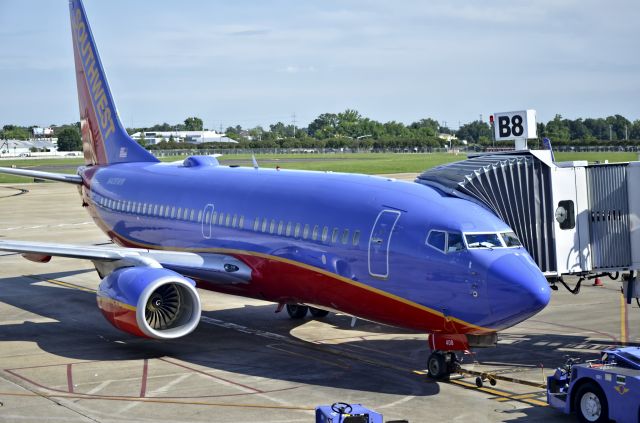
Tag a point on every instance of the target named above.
point(60, 360)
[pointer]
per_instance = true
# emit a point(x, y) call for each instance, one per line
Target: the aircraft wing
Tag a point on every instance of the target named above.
point(220, 267)
point(60, 177)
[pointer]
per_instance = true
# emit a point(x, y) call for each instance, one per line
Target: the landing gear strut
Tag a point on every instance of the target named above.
point(441, 364)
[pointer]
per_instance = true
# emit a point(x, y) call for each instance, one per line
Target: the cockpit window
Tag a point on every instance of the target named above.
point(454, 242)
point(437, 239)
point(483, 240)
point(446, 242)
point(511, 239)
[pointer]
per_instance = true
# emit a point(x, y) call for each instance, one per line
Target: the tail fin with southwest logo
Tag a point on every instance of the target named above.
point(104, 139)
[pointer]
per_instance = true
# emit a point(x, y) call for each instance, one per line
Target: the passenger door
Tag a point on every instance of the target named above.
point(379, 243)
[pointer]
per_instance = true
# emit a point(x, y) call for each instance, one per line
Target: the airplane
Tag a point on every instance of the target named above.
point(393, 252)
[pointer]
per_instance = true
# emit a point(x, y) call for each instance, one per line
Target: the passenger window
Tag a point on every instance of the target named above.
point(193, 213)
point(144, 208)
point(280, 227)
point(128, 206)
point(264, 224)
point(241, 223)
point(179, 214)
point(234, 221)
point(256, 224)
point(288, 231)
point(454, 242)
point(296, 233)
point(173, 212)
point(166, 211)
point(356, 238)
point(325, 233)
point(199, 216)
point(305, 232)
point(221, 219)
point(272, 226)
point(185, 216)
point(161, 211)
point(437, 240)
point(227, 220)
point(314, 236)
point(206, 217)
point(334, 235)
point(345, 236)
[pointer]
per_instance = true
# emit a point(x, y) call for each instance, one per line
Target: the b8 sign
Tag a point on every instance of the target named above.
point(515, 125)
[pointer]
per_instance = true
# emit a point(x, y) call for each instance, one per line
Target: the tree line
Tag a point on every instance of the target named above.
point(349, 129)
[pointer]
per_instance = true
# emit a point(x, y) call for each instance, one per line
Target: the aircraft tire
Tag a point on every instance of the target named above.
point(318, 312)
point(437, 366)
point(296, 311)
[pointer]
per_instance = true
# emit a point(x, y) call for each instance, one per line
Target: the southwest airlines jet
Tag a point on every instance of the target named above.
point(398, 253)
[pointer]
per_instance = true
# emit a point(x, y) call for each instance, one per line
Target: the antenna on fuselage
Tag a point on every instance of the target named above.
point(255, 162)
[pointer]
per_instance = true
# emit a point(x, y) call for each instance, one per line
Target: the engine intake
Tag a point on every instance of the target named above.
point(150, 302)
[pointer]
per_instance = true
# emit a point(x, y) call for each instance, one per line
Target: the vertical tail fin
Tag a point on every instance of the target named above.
point(104, 139)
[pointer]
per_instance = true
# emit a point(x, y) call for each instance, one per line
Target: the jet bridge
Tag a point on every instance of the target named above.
point(572, 217)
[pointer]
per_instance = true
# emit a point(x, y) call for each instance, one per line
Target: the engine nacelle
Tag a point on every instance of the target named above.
point(150, 302)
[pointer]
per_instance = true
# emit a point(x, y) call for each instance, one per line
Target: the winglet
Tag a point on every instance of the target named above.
point(104, 139)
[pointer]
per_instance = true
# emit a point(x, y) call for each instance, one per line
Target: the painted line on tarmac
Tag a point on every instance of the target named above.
point(503, 395)
point(624, 320)
point(157, 401)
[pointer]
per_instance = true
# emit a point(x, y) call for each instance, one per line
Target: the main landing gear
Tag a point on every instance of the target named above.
point(296, 311)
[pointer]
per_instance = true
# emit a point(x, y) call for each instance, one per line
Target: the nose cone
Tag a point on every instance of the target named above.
point(516, 289)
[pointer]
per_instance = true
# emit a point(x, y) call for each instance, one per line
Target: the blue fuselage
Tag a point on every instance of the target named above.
point(304, 232)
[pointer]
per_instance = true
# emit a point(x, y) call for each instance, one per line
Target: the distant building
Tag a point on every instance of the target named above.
point(39, 132)
point(192, 137)
point(17, 148)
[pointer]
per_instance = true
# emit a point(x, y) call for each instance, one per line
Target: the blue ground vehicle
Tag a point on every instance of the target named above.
point(599, 390)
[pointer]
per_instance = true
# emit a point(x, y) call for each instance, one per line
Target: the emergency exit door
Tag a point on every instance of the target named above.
point(379, 243)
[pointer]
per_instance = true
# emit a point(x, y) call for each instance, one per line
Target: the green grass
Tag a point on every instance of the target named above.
point(369, 163)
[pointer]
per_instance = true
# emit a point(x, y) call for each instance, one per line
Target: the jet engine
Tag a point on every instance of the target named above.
point(150, 302)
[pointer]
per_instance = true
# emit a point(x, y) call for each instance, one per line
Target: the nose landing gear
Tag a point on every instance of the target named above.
point(441, 364)
point(443, 360)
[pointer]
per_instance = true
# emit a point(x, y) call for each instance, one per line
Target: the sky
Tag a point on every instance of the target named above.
point(256, 62)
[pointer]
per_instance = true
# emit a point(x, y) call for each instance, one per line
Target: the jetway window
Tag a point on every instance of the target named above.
point(454, 242)
point(511, 239)
point(483, 240)
point(437, 240)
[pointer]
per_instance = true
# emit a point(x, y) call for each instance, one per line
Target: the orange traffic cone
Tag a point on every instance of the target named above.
point(597, 282)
